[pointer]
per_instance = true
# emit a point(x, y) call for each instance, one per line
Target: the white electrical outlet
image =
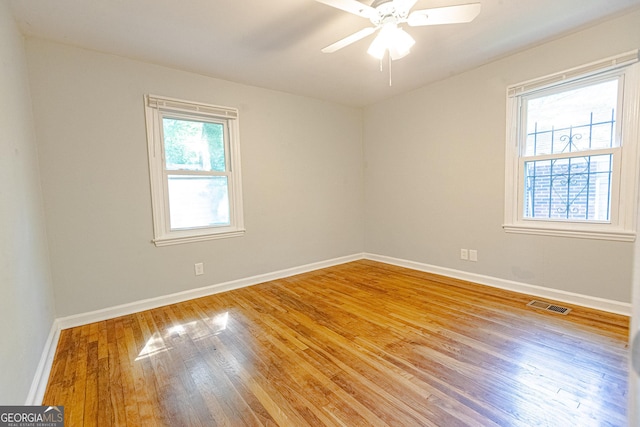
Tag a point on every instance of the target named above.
point(199, 267)
point(464, 254)
point(473, 255)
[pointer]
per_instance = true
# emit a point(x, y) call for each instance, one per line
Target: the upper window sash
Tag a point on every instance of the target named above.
point(192, 117)
point(525, 99)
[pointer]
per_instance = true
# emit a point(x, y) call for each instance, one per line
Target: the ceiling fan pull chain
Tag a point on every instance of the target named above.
point(389, 56)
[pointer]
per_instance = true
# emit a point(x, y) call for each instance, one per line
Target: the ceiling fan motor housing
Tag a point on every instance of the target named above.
point(387, 12)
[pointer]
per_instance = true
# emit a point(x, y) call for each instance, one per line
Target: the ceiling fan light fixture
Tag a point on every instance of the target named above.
point(392, 38)
point(401, 45)
point(377, 48)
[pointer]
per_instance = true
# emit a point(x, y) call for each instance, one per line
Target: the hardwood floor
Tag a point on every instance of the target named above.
point(360, 344)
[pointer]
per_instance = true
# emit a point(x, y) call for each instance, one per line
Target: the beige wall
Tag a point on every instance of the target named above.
point(301, 167)
point(26, 293)
point(434, 175)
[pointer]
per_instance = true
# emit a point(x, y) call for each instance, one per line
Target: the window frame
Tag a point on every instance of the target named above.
point(622, 224)
point(156, 109)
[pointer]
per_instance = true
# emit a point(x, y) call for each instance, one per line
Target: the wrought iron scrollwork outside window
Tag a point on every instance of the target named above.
point(572, 188)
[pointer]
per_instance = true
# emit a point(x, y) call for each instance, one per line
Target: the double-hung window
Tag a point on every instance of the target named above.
point(194, 162)
point(572, 152)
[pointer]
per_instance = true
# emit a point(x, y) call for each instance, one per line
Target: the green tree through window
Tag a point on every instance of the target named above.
point(191, 145)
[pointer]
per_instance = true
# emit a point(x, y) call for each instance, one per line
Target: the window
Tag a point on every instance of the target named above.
point(571, 156)
point(194, 163)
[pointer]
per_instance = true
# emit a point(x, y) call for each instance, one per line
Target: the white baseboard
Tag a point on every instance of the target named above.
point(40, 379)
point(524, 288)
point(39, 384)
point(147, 304)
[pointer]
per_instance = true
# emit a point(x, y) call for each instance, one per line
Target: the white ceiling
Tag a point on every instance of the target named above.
point(276, 43)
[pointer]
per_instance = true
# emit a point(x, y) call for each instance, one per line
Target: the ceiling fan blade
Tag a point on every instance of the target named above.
point(444, 15)
point(348, 40)
point(351, 6)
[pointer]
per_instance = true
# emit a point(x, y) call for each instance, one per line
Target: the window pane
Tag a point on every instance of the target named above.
point(576, 188)
point(197, 201)
point(573, 120)
point(193, 145)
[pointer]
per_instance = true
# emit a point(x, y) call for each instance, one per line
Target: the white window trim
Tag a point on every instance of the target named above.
point(623, 218)
point(155, 108)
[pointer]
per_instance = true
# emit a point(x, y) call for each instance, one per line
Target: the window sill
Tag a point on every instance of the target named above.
point(597, 233)
point(178, 240)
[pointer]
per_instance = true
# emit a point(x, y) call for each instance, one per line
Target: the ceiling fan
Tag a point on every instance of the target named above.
point(387, 15)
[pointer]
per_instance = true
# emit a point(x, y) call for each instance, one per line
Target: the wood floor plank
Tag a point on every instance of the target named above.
point(91, 392)
point(358, 344)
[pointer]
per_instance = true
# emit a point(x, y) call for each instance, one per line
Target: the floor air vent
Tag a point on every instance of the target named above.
point(549, 307)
